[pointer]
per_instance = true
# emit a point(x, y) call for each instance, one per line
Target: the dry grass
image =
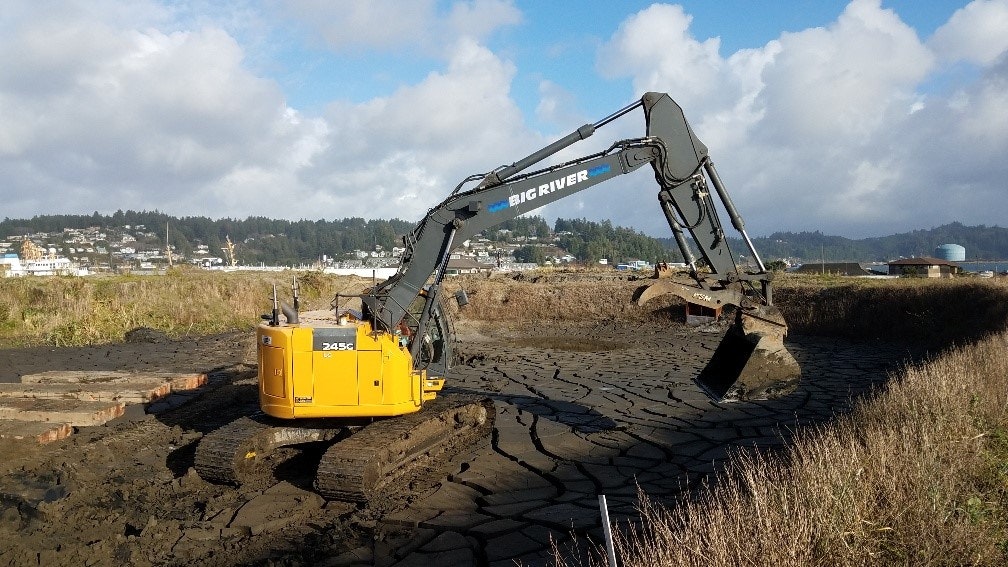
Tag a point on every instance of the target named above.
point(556, 297)
point(931, 312)
point(917, 475)
point(77, 311)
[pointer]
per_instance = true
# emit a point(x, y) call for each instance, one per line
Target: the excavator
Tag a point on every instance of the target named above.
point(367, 381)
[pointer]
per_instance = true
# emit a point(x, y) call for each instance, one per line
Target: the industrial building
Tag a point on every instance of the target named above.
point(951, 253)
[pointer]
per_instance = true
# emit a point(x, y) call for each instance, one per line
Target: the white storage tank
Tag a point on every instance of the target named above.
point(951, 252)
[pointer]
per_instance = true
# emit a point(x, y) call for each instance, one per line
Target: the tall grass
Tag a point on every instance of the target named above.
point(917, 475)
point(77, 311)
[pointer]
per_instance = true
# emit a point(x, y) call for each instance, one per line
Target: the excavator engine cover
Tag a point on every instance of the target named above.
point(751, 362)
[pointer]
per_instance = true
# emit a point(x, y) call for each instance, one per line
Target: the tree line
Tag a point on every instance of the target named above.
point(280, 242)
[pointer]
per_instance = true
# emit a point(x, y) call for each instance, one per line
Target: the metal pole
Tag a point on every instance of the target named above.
point(607, 530)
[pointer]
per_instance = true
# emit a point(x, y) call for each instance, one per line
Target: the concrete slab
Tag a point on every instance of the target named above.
point(34, 431)
point(75, 412)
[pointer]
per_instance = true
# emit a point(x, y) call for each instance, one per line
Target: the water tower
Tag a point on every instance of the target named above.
point(951, 252)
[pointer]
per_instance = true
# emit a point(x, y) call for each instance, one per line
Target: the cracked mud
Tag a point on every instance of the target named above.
point(581, 411)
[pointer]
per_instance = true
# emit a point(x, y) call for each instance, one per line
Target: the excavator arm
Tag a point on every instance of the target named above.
point(682, 170)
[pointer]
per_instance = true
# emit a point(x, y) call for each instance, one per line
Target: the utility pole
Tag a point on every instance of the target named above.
point(167, 245)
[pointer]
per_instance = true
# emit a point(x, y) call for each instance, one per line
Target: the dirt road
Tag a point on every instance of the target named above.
point(581, 411)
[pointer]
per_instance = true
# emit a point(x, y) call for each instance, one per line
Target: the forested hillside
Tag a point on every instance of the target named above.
point(274, 241)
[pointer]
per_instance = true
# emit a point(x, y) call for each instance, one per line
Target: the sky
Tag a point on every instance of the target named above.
point(857, 119)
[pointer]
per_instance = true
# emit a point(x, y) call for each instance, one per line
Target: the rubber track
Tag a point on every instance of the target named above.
point(356, 468)
point(231, 454)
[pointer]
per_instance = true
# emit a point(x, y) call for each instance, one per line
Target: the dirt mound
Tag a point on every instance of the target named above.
point(145, 335)
point(528, 300)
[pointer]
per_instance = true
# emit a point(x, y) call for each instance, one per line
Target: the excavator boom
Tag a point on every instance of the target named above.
point(685, 175)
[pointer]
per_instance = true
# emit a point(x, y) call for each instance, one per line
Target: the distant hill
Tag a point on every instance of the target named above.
point(272, 241)
point(981, 242)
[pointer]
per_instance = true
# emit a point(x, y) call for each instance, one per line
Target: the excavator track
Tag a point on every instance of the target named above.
point(233, 453)
point(357, 468)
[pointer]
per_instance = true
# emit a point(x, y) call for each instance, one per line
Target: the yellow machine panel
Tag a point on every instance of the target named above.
point(274, 382)
point(334, 376)
point(309, 370)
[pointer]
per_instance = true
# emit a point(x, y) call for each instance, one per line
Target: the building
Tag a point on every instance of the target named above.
point(833, 269)
point(12, 266)
point(458, 266)
point(924, 267)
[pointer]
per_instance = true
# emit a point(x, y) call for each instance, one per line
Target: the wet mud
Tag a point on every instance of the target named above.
point(581, 411)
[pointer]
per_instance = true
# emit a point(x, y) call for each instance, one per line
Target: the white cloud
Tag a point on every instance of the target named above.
point(356, 24)
point(557, 106)
point(841, 83)
point(395, 24)
point(977, 33)
point(118, 114)
point(655, 48)
point(479, 18)
point(109, 105)
point(401, 154)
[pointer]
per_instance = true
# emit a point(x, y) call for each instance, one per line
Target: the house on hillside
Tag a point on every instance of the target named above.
point(924, 266)
point(458, 266)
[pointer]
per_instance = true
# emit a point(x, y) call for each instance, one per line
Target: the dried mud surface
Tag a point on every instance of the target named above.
point(582, 410)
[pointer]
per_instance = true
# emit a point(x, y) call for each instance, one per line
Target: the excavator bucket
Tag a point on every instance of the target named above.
point(751, 362)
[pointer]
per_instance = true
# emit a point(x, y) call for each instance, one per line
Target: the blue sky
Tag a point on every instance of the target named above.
point(856, 118)
point(557, 41)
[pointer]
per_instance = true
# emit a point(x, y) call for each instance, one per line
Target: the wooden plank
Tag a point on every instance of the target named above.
point(180, 381)
point(79, 376)
point(135, 391)
point(40, 432)
point(75, 412)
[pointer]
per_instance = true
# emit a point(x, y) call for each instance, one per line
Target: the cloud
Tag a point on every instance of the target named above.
point(975, 33)
point(557, 106)
point(656, 49)
point(480, 18)
point(401, 154)
point(103, 112)
point(829, 128)
point(387, 25)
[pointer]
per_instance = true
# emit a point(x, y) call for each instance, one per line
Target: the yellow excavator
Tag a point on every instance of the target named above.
point(367, 380)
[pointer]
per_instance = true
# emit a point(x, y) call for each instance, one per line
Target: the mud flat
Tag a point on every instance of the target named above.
point(582, 410)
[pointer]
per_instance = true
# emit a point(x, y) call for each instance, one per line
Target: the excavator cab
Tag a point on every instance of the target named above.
point(435, 340)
